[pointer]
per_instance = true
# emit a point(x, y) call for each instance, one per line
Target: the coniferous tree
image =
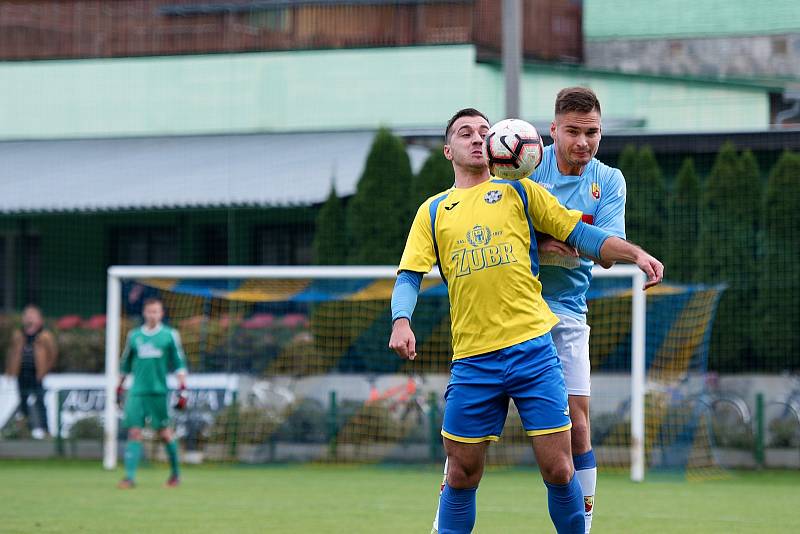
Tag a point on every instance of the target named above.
point(436, 175)
point(727, 253)
point(330, 236)
point(683, 224)
point(645, 209)
point(779, 280)
point(378, 215)
point(627, 161)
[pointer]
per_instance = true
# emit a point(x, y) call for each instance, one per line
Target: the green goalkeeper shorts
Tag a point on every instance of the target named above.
point(152, 407)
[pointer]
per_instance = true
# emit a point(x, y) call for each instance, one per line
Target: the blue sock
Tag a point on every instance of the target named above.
point(457, 510)
point(565, 504)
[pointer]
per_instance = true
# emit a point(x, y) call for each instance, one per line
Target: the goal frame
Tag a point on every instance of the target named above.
point(118, 273)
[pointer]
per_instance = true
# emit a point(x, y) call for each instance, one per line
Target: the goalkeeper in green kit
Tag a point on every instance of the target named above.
point(151, 352)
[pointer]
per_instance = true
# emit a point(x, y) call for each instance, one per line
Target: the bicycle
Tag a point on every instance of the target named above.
point(784, 427)
point(402, 400)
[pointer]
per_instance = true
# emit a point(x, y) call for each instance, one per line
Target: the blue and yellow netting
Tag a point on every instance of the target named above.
point(317, 329)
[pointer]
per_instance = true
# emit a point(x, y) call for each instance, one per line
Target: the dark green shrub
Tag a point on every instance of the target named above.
point(378, 216)
point(683, 217)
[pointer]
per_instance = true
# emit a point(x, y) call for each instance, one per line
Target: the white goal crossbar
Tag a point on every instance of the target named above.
point(117, 274)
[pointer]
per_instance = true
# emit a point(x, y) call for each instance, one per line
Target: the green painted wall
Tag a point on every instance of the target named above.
point(628, 19)
point(331, 90)
point(664, 104)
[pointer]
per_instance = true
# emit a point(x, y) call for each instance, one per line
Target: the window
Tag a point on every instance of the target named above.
point(156, 245)
point(283, 245)
point(275, 20)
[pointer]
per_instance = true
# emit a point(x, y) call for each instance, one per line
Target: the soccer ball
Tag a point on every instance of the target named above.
point(513, 149)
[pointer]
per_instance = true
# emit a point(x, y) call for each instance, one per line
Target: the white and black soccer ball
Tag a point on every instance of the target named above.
point(513, 149)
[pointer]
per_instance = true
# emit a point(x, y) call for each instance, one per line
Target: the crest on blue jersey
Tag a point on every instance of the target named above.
point(479, 235)
point(492, 196)
point(596, 190)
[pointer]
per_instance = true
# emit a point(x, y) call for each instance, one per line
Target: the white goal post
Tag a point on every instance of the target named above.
point(116, 274)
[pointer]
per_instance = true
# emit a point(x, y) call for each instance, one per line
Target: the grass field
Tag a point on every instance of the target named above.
point(79, 497)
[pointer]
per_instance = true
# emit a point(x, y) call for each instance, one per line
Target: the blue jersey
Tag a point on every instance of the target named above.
point(599, 193)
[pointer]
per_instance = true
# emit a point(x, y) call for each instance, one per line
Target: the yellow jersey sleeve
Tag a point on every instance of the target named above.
point(547, 214)
point(420, 252)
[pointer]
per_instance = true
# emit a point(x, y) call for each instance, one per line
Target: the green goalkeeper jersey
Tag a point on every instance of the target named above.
point(150, 355)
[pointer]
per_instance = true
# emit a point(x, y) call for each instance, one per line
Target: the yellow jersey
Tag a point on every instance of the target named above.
point(483, 238)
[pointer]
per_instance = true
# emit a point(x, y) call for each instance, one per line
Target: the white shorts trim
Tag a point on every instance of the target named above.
point(571, 338)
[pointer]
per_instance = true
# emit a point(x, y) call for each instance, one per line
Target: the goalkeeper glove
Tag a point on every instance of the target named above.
point(120, 396)
point(183, 398)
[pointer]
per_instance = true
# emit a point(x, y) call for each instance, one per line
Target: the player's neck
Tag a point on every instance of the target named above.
point(566, 169)
point(151, 328)
point(466, 178)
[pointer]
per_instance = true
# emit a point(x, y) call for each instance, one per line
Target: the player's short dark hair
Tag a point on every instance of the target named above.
point(466, 112)
point(152, 300)
point(580, 99)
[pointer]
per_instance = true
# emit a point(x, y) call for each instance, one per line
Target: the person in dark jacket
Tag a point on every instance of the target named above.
point(31, 355)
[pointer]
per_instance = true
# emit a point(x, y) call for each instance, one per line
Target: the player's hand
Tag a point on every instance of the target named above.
point(651, 267)
point(120, 396)
point(546, 243)
point(183, 399)
point(402, 340)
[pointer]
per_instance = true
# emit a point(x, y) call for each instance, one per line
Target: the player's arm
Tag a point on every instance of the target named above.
point(404, 300)
point(419, 256)
point(125, 368)
point(178, 365)
point(594, 241)
point(551, 217)
point(548, 244)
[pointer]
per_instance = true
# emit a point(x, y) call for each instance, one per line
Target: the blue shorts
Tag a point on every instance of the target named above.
point(480, 387)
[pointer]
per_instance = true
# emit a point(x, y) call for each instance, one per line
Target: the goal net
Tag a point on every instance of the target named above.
point(293, 364)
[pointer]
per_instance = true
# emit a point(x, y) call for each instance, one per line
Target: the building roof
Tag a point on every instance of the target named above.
point(250, 170)
point(201, 171)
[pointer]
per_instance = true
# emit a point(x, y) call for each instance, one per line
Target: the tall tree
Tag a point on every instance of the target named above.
point(378, 215)
point(646, 207)
point(436, 175)
point(683, 224)
point(628, 160)
point(779, 281)
point(727, 253)
point(330, 236)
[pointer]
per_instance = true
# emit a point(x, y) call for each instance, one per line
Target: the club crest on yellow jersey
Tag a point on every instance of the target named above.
point(479, 235)
point(493, 196)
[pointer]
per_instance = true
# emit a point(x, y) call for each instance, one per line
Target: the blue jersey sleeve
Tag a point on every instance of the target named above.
point(588, 239)
point(404, 296)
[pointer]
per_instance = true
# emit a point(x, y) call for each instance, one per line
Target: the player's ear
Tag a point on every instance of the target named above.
point(553, 130)
point(448, 153)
